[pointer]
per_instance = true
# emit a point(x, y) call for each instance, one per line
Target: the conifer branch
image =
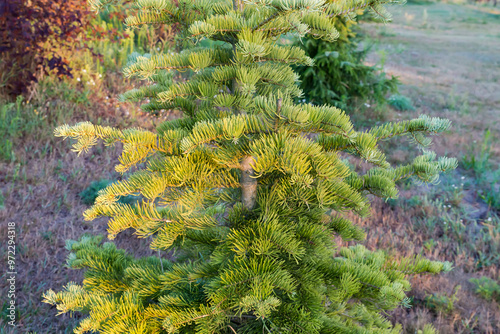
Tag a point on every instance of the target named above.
point(351, 10)
point(267, 20)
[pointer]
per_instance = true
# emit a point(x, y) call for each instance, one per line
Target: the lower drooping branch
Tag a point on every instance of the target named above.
point(248, 183)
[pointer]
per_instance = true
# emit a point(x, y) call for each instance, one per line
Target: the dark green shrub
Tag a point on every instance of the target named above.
point(401, 102)
point(339, 74)
point(89, 195)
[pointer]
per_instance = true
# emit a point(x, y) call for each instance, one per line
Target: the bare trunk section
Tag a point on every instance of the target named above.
point(248, 183)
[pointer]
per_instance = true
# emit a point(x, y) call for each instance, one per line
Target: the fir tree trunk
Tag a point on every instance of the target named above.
point(248, 183)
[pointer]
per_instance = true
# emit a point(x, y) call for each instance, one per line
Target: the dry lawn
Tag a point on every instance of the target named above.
point(447, 57)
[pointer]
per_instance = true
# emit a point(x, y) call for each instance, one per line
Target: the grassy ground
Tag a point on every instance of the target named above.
point(447, 57)
point(40, 185)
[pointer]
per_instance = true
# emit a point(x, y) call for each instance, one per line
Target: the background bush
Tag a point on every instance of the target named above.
point(339, 74)
point(32, 40)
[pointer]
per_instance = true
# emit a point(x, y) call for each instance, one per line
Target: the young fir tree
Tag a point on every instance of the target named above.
point(339, 76)
point(248, 187)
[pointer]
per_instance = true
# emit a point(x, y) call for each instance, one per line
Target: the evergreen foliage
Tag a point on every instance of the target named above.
point(339, 75)
point(89, 195)
point(248, 187)
point(401, 102)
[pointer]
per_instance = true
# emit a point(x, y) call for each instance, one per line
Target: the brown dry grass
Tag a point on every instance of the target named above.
point(449, 66)
point(447, 57)
point(41, 190)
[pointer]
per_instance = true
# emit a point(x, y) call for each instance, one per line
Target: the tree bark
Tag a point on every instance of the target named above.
point(248, 183)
